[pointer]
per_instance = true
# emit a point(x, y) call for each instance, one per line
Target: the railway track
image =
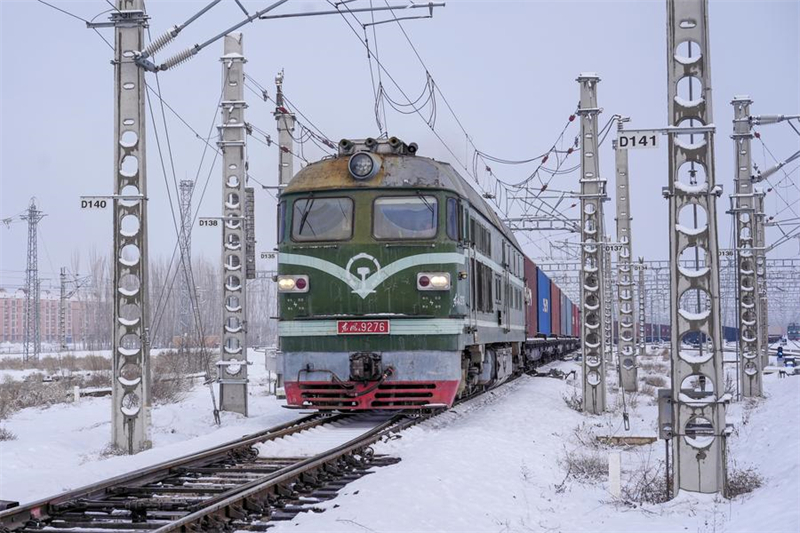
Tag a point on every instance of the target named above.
point(240, 485)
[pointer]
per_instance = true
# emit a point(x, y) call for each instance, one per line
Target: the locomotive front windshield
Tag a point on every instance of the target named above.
point(322, 219)
point(407, 217)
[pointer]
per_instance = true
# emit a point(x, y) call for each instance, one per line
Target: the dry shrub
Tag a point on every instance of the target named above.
point(573, 400)
point(648, 390)
point(652, 366)
point(655, 381)
point(31, 392)
point(585, 467)
point(743, 480)
point(6, 435)
point(646, 485)
point(53, 365)
point(170, 383)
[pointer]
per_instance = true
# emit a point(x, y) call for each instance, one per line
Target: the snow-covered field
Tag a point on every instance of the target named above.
point(492, 464)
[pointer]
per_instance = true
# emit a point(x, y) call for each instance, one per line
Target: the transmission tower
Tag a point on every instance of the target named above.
point(592, 250)
point(32, 341)
point(185, 288)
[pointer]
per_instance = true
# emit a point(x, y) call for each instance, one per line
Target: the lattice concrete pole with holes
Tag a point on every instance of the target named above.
point(232, 375)
point(761, 276)
point(286, 124)
point(698, 400)
point(608, 302)
point(185, 276)
point(626, 349)
point(744, 218)
point(592, 246)
point(130, 403)
point(643, 309)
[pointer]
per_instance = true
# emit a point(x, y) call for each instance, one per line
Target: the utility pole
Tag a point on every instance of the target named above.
point(608, 303)
point(286, 123)
point(130, 418)
point(626, 352)
point(761, 276)
point(642, 311)
point(592, 249)
point(698, 401)
point(33, 339)
point(185, 278)
point(62, 311)
point(233, 350)
point(744, 215)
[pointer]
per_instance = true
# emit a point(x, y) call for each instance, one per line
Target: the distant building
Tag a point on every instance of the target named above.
point(12, 325)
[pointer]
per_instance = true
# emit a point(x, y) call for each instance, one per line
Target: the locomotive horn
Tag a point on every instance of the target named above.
point(370, 143)
point(412, 148)
point(345, 146)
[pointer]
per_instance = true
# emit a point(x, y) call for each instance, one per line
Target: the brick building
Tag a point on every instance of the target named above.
point(12, 323)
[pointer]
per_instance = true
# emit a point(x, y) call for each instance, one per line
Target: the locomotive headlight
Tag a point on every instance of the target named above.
point(433, 281)
point(293, 283)
point(364, 165)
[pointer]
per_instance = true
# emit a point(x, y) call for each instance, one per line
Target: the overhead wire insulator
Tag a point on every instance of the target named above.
point(161, 42)
point(176, 60)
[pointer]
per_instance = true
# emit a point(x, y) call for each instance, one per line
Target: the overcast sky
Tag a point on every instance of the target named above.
point(507, 69)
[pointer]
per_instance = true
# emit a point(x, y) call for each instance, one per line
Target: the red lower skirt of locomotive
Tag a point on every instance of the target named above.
point(349, 396)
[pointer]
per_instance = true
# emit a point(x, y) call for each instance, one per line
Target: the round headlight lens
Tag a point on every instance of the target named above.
point(439, 281)
point(300, 283)
point(424, 281)
point(361, 165)
point(286, 284)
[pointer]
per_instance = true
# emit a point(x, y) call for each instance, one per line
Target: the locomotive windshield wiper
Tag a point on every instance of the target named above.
point(304, 217)
point(427, 203)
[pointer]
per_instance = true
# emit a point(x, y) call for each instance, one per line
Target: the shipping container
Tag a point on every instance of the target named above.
point(565, 314)
point(576, 321)
point(532, 310)
point(555, 309)
point(543, 301)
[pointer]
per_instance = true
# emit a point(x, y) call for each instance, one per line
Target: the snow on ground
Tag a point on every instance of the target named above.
point(493, 465)
point(61, 447)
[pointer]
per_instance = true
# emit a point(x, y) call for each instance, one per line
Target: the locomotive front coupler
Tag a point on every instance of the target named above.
point(365, 366)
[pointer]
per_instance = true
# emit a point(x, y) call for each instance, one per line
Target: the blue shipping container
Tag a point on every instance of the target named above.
point(543, 290)
point(566, 309)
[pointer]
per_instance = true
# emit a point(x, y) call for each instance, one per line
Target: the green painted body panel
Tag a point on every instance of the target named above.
point(329, 297)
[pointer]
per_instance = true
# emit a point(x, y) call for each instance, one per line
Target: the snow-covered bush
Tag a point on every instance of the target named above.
point(742, 480)
point(655, 381)
point(6, 435)
point(586, 467)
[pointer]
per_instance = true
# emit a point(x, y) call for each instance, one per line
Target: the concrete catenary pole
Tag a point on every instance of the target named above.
point(626, 351)
point(744, 214)
point(232, 132)
point(698, 398)
point(643, 310)
point(592, 249)
point(608, 303)
point(286, 124)
point(761, 276)
point(62, 311)
point(130, 405)
point(185, 310)
point(32, 341)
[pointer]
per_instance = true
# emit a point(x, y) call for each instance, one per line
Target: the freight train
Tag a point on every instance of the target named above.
point(400, 288)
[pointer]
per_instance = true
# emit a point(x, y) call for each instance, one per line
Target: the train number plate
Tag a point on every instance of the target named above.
point(362, 327)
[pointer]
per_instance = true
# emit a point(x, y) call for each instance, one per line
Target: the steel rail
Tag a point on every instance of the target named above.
point(225, 501)
point(16, 517)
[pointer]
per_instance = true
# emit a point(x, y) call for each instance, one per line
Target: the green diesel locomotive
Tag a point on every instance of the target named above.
point(399, 287)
